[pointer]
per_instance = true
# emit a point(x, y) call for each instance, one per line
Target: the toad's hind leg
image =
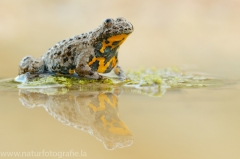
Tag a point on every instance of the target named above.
point(31, 65)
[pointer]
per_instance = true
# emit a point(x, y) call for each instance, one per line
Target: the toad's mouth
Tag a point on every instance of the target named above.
point(113, 41)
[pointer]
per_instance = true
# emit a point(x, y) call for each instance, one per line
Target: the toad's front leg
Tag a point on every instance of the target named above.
point(82, 67)
point(85, 71)
point(120, 73)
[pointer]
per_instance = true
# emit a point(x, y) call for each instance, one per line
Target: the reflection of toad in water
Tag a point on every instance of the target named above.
point(95, 112)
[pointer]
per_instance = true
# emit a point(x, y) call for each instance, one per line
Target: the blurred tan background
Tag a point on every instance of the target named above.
point(201, 34)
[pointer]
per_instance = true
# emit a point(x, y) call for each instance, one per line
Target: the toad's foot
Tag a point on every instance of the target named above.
point(24, 78)
point(31, 65)
point(94, 75)
point(120, 73)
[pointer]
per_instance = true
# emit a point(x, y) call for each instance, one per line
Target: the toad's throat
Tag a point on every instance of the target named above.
point(113, 42)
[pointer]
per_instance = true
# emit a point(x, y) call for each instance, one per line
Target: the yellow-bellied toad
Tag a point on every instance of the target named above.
point(86, 54)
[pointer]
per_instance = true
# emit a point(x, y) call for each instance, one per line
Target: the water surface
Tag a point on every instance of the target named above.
point(183, 123)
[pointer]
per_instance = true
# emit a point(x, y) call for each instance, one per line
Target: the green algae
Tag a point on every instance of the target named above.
point(65, 81)
point(149, 81)
point(171, 77)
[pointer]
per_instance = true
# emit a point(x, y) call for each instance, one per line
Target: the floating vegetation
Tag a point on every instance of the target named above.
point(153, 82)
point(171, 77)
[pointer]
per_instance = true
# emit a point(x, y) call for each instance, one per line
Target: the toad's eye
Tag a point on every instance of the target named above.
point(108, 22)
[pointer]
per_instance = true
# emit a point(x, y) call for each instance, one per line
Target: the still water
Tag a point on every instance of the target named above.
point(183, 123)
